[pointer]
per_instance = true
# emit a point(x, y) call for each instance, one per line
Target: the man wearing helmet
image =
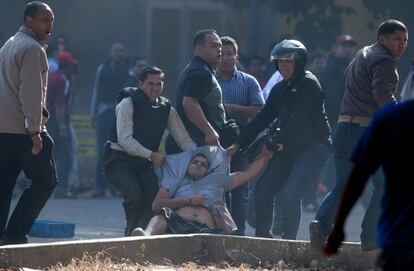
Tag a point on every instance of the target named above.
point(304, 135)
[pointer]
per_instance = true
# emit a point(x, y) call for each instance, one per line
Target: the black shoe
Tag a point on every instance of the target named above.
point(317, 234)
point(7, 241)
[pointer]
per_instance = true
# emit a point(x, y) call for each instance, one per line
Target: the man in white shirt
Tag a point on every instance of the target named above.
point(141, 117)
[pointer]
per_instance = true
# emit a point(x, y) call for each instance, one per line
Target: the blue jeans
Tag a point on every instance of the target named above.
point(291, 176)
point(103, 125)
point(345, 139)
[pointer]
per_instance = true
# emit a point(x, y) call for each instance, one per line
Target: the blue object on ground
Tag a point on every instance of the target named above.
point(52, 229)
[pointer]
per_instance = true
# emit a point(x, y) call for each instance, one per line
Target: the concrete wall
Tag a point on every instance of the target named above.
point(177, 249)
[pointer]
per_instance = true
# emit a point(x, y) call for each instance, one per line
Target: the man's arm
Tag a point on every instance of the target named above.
point(176, 127)
point(60, 105)
point(195, 114)
point(353, 190)
point(245, 111)
point(95, 94)
point(30, 89)
point(242, 177)
point(164, 199)
point(384, 82)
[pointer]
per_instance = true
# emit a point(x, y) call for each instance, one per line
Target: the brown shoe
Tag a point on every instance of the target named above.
point(317, 234)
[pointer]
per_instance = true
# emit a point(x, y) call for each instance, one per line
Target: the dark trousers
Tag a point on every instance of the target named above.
point(289, 175)
point(103, 125)
point(396, 259)
point(15, 156)
point(136, 179)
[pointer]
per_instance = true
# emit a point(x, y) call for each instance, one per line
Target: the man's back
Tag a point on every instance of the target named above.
point(370, 81)
point(389, 141)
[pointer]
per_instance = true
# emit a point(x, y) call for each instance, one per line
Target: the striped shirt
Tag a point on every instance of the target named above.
point(241, 89)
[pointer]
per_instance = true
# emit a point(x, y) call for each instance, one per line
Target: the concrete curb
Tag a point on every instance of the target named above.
point(178, 249)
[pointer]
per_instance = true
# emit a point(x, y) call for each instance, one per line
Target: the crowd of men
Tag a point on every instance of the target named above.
point(317, 111)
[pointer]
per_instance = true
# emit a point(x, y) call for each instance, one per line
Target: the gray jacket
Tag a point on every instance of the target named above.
point(23, 84)
point(370, 81)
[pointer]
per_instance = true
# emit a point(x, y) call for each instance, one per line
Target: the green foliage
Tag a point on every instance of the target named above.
point(318, 22)
point(396, 9)
point(399, 9)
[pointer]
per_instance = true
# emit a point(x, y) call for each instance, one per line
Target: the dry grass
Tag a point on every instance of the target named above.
point(103, 262)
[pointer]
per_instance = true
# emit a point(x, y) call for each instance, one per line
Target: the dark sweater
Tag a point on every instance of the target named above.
point(298, 103)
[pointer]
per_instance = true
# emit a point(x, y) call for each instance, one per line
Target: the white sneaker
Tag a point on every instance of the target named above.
point(139, 232)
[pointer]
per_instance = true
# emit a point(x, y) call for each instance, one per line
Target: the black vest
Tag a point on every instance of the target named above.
point(149, 119)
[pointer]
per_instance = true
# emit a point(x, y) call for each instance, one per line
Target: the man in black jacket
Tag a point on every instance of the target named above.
point(303, 140)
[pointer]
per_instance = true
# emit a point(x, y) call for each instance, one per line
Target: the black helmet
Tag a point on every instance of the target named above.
point(293, 49)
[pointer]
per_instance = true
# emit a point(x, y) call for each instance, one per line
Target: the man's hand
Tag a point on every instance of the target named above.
point(157, 158)
point(232, 149)
point(197, 200)
point(37, 144)
point(266, 154)
point(279, 147)
point(212, 138)
point(333, 241)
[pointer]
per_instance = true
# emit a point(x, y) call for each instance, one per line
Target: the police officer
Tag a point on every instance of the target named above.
point(301, 144)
